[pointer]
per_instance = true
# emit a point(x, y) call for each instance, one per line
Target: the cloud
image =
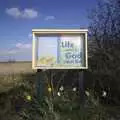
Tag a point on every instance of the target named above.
point(18, 48)
point(12, 51)
point(49, 18)
point(26, 13)
point(29, 13)
point(30, 35)
point(15, 12)
point(23, 46)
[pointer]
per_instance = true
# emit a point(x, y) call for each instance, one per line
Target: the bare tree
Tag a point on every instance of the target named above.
point(105, 23)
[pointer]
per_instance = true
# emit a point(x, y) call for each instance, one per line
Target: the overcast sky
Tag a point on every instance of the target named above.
point(19, 17)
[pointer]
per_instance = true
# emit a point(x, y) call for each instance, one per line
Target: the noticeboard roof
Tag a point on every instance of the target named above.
point(58, 30)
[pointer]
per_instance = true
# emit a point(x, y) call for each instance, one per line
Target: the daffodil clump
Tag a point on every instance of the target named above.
point(49, 89)
point(28, 97)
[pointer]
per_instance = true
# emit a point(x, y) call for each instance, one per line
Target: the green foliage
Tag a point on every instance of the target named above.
point(104, 69)
point(39, 110)
point(65, 107)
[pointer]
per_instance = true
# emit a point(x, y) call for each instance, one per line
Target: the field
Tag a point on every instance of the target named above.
point(10, 73)
point(15, 67)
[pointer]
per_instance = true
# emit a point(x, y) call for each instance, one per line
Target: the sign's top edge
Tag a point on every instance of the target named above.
point(59, 30)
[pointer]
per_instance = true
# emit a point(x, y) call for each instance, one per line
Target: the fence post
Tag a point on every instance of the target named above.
point(40, 81)
point(82, 94)
point(81, 87)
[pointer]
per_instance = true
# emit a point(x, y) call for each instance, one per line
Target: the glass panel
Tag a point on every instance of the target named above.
point(61, 51)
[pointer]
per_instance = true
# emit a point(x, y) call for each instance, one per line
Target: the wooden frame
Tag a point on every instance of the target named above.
point(55, 32)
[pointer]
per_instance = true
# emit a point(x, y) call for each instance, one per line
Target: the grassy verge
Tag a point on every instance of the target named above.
point(19, 102)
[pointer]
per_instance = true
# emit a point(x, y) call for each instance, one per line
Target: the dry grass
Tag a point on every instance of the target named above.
point(17, 67)
point(10, 74)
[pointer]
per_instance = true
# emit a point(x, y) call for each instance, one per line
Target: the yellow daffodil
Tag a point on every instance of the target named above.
point(28, 97)
point(49, 89)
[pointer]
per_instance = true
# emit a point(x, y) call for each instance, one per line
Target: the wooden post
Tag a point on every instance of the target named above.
point(40, 81)
point(81, 87)
point(82, 94)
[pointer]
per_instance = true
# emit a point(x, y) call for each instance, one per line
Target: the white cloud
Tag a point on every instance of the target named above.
point(15, 12)
point(26, 13)
point(12, 52)
point(23, 46)
point(49, 18)
point(18, 48)
point(8, 52)
point(29, 13)
point(30, 35)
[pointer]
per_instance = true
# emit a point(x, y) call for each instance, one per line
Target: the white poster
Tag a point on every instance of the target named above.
point(71, 50)
point(61, 51)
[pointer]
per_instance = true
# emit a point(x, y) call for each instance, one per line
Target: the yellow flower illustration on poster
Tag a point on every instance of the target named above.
point(47, 51)
point(48, 60)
